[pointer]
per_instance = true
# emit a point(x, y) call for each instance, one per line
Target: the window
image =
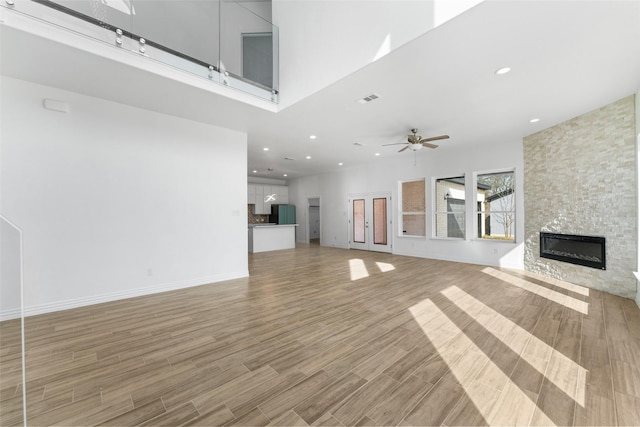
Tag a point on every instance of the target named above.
point(413, 211)
point(496, 207)
point(449, 207)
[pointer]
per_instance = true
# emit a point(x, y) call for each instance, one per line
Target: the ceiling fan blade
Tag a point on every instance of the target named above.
point(435, 138)
point(402, 149)
point(395, 143)
point(426, 144)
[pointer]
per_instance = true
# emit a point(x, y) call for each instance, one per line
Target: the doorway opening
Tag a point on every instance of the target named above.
point(313, 229)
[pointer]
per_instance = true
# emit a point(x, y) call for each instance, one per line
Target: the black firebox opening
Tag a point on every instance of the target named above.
point(582, 250)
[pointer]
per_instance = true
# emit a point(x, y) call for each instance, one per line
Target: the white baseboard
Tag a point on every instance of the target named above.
point(444, 258)
point(637, 288)
point(114, 296)
point(14, 313)
point(336, 246)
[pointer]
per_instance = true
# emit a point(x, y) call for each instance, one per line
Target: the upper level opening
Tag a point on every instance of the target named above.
point(232, 43)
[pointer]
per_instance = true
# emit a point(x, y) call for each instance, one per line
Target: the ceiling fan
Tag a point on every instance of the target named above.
point(416, 142)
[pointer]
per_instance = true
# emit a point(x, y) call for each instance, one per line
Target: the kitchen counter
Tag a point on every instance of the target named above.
point(271, 237)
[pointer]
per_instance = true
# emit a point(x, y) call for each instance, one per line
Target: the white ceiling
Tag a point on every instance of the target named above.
point(567, 58)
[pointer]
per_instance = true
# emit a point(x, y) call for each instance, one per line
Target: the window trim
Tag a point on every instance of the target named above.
point(475, 237)
point(434, 204)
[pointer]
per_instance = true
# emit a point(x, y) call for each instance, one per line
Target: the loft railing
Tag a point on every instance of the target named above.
point(224, 41)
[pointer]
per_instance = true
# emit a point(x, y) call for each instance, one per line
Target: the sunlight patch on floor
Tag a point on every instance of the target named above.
point(385, 266)
point(551, 295)
point(517, 339)
point(357, 269)
point(512, 407)
point(557, 283)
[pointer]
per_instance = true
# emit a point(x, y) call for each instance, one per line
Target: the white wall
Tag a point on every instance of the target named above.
point(268, 181)
point(323, 41)
point(384, 176)
point(116, 201)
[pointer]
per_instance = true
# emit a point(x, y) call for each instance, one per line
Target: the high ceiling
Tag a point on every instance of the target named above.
point(566, 58)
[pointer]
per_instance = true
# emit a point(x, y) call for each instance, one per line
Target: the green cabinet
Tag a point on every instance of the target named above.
point(283, 214)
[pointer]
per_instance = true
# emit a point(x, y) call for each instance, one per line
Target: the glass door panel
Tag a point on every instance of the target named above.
point(380, 221)
point(358, 221)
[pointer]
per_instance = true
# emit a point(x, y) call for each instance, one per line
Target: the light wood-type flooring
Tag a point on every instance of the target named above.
point(324, 336)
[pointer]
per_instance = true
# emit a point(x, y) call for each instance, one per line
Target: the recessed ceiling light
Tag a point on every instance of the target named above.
point(536, 120)
point(377, 154)
point(284, 174)
point(503, 70)
point(308, 157)
point(265, 149)
point(340, 164)
point(312, 137)
point(255, 171)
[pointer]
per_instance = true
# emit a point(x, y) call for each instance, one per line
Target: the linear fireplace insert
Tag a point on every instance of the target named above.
point(582, 250)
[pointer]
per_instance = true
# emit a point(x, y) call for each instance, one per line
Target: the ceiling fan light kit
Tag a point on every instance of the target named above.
point(416, 142)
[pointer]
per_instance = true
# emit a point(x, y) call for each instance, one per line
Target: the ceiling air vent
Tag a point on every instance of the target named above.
point(289, 158)
point(368, 98)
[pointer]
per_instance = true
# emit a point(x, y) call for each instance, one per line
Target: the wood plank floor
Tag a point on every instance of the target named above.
point(323, 336)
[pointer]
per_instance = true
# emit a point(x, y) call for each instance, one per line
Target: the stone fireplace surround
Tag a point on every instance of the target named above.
point(580, 178)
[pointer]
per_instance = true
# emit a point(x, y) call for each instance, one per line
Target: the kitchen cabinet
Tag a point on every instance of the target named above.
point(269, 198)
point(282, 193)
point(258, 201)
point(264, 238)
point(263, 199)
point(251, 194)
point(263, 196)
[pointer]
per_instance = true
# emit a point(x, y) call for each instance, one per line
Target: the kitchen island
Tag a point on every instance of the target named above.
point(271, 237)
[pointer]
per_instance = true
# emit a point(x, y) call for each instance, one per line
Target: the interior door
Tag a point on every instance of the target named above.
point(370, 222)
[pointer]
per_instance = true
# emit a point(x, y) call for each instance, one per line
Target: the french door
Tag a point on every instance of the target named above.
point(370, 222)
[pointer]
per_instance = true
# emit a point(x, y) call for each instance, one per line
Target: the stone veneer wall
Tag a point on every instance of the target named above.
point(580, 178)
